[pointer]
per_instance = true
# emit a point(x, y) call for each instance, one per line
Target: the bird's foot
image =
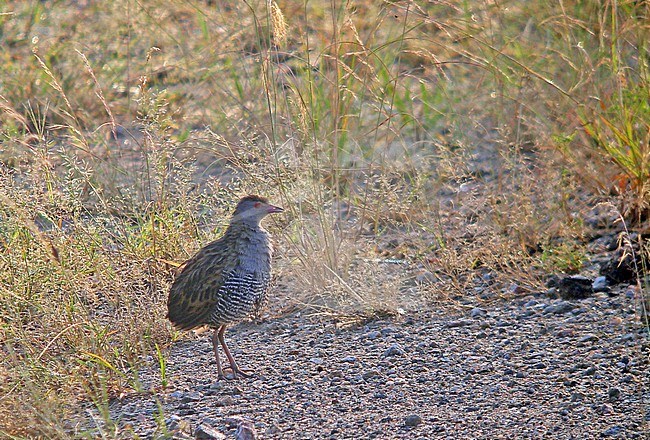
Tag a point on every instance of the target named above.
point(236, 372)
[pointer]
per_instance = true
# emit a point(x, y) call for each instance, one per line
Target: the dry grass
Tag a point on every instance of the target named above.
point(466, 142)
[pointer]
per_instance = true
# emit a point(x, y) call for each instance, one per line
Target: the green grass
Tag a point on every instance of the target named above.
point(129, 129)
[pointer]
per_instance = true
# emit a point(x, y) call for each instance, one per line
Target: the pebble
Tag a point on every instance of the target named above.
point(613, 394)
point(588, 338)
point(600, 284)
point(612, 431)
point(477, 312)
point(205, 432)
point(458, 323)
point(455, 381)
point(191, 397)
point(245, 431)
point(559, 308)
point(589, 371)
point(393, 350)
point(370, 374)
point(373, 335)
point(531, 303)
point(413, 420)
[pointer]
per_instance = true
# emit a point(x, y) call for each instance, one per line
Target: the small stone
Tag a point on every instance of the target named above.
point(577, 397)
point(413, 420)
point(225, 401)
point(559, 308)
point(272, 430)
point(176, 424)
point(612, 431)
point(232, 422)
point(246, 431)
point(600, 284)
point(191, 397)
point(531, 303)
point(589, 371)
point(370, 374)
point(205, 432)
point(605, 408)
point(317, 361)
point(613, 394)
point(373, 335)
point(477, 312)
point(393, 350)
point(588, 338)
point(349, 359)
point(458, 323)
point(515, 288)
point(564, 333)
point(335, 374)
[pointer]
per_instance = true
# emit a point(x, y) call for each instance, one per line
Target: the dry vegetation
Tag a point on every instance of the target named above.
point(460, 138)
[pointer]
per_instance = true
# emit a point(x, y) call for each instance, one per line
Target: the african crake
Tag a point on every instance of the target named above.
point(228, 279)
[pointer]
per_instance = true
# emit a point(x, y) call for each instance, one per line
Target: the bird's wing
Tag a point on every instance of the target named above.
point(195, 291)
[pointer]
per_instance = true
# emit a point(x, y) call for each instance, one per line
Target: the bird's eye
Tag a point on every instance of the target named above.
point(257, 204)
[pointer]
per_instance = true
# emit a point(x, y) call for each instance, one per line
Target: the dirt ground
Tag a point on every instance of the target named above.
point(531, 367)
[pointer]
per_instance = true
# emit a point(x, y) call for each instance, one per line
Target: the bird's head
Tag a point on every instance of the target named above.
point(252, 209)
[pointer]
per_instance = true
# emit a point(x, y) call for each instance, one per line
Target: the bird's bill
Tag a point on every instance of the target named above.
point(272, 209)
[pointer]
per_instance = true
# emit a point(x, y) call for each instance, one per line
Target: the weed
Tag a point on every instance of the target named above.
point(454, 138)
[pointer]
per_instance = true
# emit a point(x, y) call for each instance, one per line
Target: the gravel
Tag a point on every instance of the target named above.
point(525, 368)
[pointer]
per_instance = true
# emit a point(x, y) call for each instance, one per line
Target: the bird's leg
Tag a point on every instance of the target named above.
point(215, 347)
point(233, 365)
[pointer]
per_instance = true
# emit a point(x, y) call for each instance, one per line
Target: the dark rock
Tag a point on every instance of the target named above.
point(553, 281)
point(620, 268)
point(413, 420)
point(575, 287)
point(613, 394)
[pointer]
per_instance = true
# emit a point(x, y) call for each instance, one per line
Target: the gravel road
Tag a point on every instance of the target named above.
point(531, 367)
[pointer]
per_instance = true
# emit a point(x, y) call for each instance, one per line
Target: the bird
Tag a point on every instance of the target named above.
point(228, 279)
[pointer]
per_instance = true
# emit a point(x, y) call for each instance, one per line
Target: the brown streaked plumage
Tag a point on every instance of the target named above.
point(227, 280)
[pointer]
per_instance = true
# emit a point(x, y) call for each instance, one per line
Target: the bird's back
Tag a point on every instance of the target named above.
point(193, 293)
point(224, 282)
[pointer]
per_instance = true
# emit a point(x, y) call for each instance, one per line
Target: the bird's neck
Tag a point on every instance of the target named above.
point(247, 225)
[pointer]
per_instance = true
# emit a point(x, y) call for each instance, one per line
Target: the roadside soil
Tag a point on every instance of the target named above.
point(529, 367)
